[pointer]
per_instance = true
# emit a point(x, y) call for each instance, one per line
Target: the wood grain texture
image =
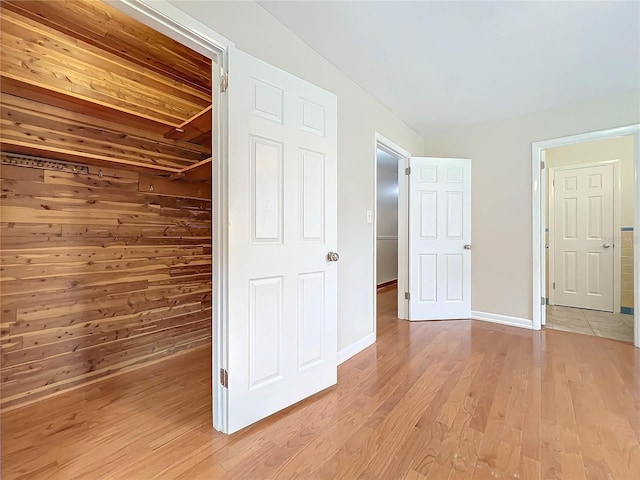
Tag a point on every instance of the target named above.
point(82, 82)
point(34, 128)
point(96, 277)
point(36, 54)
point(431, 400)
point(108, 29)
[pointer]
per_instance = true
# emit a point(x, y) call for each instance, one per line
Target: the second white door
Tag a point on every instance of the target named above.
point(439, 238)
point(582, 223)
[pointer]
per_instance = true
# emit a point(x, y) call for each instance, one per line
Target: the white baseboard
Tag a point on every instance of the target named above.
point(502, 319)
point(356, 347)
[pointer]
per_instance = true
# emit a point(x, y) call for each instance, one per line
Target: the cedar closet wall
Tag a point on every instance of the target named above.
point(108, 266)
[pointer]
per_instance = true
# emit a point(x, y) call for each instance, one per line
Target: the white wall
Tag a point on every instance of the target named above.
point(387, 218)
point(501, 192)
point(256, 32)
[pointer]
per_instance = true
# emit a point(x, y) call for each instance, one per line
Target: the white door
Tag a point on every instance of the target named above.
point(282, 222)
point(582, 260)
point(439, 238)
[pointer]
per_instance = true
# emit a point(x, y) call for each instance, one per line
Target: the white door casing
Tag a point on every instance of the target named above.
point(538, 217)
point(581, 237)
point(439, 238)
point(282, 291)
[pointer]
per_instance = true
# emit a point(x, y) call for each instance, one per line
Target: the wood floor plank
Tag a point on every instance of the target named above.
point(459, 400)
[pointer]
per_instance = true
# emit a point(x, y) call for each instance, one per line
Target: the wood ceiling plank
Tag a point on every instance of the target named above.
point(52, 61)
point(113, 31)
point(23, 34)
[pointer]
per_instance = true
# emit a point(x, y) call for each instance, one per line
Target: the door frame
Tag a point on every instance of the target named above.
point(539, 190)
point(617, 208)
point(181, 27)
point(403, 156)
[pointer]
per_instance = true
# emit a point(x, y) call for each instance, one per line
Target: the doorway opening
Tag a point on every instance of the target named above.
point(386, 233)
point(390, 225)
point(590, 213)
point(585, 255)
point(386, 219)
point(174, 23)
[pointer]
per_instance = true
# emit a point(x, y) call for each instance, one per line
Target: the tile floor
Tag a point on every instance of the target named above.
point(590, 322)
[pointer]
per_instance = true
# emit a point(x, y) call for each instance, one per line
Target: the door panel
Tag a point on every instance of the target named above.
point(582, 226)
point(439, 228)
point(311, 291)
point(455, 276)
point(428, 278)
point(266, 190)
point(311, 196)
point(281, 305)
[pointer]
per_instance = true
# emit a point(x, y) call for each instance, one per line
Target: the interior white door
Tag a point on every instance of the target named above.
point(583, 228)
point(439, 238)
point(282, 222)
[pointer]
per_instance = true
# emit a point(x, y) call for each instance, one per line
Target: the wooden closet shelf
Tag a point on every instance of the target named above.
point(67, 100)
point(14, 146)
point(34, 128)
point(194, 128)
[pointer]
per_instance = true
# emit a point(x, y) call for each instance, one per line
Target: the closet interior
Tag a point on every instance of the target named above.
point(105, 213)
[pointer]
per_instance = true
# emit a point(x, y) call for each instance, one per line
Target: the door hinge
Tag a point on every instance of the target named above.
point(554, 285)
point(407, 296)
point(542, 165)
point(224, 378)
point(224, 82)
point(543, 301)
point(407, 171)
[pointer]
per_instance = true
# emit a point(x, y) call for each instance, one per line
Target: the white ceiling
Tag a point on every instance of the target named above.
point(442, 65)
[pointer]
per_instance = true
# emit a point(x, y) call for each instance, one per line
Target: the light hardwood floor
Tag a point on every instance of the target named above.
point(433, 400)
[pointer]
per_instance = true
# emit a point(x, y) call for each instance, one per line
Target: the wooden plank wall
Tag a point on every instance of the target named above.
point(96, 277)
